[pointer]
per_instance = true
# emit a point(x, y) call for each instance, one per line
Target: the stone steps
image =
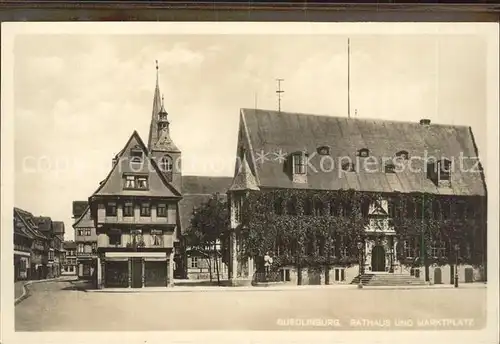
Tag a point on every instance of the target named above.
point(387, 280)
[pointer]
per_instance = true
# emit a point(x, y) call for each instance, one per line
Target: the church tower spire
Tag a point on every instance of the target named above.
point(160, 144)
point(153, 128)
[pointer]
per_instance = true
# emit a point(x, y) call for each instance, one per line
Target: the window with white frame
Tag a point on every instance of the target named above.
point(161, 210)
point(111, 209)
point(438, 249)
point(166, 164)
point(128, 209)
point(299, 163)
point(194, 262)
point(145, 209)
point(80, 248)
point(408, 248)
point(156, 237)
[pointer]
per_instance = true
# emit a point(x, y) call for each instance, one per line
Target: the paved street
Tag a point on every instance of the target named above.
point(56, 306)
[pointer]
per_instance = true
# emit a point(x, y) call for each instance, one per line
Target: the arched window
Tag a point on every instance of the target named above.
point(166, 164)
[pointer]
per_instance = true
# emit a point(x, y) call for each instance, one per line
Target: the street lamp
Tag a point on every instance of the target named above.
point(360, 246)
point(457, 247)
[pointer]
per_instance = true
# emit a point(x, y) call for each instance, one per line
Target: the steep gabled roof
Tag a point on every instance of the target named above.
point(20, 227)
point(27, 220)
point(58, 227)
point(206, 185)
point(197, 190)
point(85, 220)
point(275, 133)
point(159, 186)
point(79, 208)
point(44, 223)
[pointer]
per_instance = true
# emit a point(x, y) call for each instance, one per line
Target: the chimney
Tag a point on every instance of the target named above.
point(425, 121)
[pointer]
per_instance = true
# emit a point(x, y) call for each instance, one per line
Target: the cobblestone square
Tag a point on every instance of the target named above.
point(57, 306)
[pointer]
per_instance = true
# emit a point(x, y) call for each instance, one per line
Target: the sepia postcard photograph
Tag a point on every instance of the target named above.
point(203, 182)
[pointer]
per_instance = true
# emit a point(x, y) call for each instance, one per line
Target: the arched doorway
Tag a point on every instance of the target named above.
point(378, 259)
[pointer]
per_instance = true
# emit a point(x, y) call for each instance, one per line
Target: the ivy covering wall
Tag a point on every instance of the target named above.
point(311, 228)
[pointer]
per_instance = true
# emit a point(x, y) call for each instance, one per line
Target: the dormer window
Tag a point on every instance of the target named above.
point(390, 168)
point(364, 152)
point(324, 150)
point(403, 155)
point(136, 182)
point(348, 167)
point(444, 169)
point(166, 164)
point(299, 163)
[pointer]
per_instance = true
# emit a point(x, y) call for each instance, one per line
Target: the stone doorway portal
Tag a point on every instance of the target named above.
point(378, 259)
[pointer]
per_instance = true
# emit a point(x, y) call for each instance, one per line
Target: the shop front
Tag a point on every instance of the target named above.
point(135, 270)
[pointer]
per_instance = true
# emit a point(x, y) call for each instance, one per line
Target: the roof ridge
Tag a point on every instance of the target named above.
point(256, 111)
point(148, 157)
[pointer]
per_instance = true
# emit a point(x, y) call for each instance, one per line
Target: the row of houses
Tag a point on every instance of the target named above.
point(130, 230)
point(38, 246)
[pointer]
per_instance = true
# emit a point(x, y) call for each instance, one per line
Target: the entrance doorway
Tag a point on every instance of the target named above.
point(378, 259)
point(136, 273)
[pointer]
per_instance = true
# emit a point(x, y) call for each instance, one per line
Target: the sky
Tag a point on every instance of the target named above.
point(78, 98)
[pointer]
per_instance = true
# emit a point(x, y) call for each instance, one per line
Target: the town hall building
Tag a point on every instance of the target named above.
point(416, 192)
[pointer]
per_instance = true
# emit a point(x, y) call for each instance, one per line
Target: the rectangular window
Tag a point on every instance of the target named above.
point(299, 164)
point(409, 248)
point(156, 238)
point(444, 169)
point(142, 182)
point(80, 232)
point(128, 209)
point(194, 262)
point(111, 209)
point(87, 232)
point(94, 247)
point(438, 249)
point(130, 182)
point(80, 248)
point(145, 209)
point(161, 210)
point(339, 275)
point(88, 249)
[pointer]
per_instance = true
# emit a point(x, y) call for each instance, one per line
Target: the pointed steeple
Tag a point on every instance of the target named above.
point(157, 106)
point(244, 179)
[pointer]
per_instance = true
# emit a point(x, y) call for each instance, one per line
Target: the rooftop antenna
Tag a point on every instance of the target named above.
point(279, 91)
point(348, 78)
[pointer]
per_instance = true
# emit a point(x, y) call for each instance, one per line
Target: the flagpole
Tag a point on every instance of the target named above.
point(348, 78)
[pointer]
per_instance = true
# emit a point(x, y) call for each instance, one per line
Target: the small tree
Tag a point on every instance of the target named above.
point(208, 225)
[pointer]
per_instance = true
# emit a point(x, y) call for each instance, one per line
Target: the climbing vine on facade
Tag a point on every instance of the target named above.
point(320, 228)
